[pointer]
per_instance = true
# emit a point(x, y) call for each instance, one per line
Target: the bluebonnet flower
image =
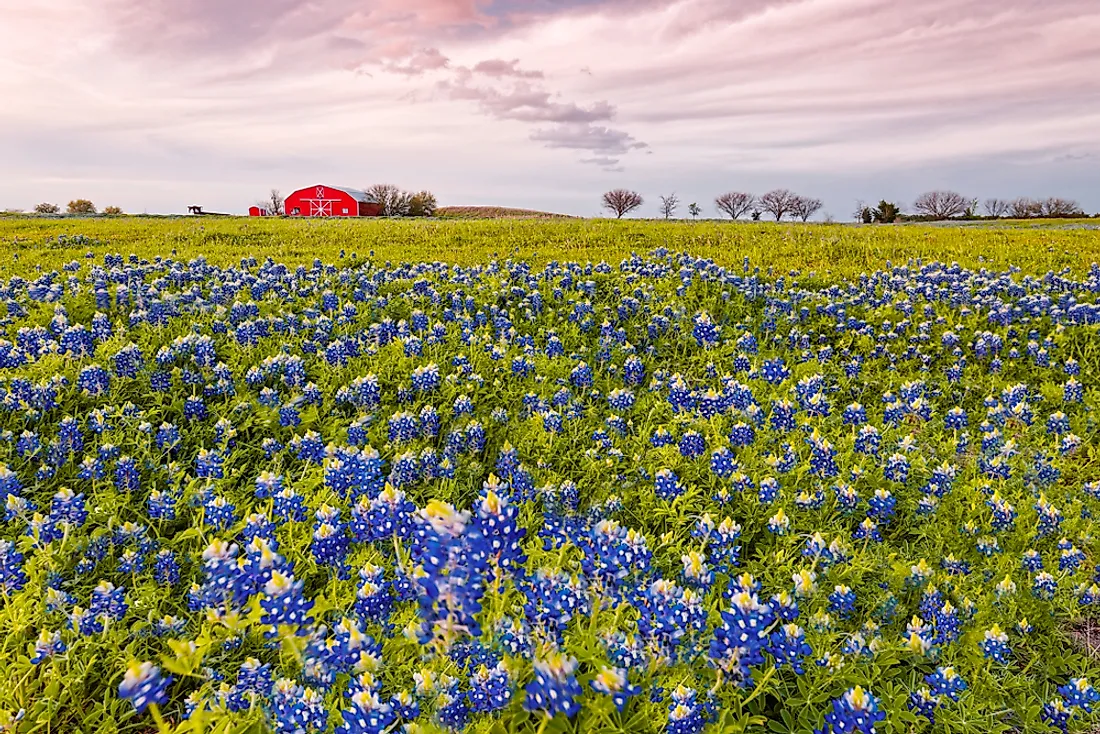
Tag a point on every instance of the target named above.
point(47, 646)
point(692, 445)
point(295, 708)
point(144, 686)
point(922, 702)
point(842, 600)
point(774, 371)
point(1056, 714)
point(284, 604)
point(788, 646)
point(946, 682)
point(490, 688)
point(685, 714)
point(855, 712)
point(667, 485)
point(995, 645)
point(555, 688)
point(742, 637)
point(1078, 693)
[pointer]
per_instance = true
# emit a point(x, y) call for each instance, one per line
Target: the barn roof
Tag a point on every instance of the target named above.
point(357, 194)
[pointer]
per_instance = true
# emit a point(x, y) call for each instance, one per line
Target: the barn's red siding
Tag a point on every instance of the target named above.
point(327, 201)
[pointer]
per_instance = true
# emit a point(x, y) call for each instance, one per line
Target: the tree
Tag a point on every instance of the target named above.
point(694, 210)
point(997, 207)
point(1025, 208)
point(112, 210)
point(422, 204)
point(47, 208)
point(735, 203)
point(274, 204)
point(622, 201)
point(804, 207)
point(941, 204)
point(777, 202)
point(862, 212)
point(80, 206)
point(1058, 207)
point(669, 205)
point(394, 201)
point(886, 212)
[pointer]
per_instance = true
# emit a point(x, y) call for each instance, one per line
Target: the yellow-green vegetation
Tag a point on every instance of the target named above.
point(29, 243)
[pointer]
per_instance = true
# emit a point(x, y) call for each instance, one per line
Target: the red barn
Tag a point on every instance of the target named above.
point(331, 201)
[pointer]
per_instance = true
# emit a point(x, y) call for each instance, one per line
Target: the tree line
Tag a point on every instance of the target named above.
point(781, 203)
point(76, 206)
point(777, 203)
point(943, 205)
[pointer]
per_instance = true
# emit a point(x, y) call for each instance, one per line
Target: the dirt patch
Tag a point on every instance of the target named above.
point(495, 212)
point(1085, 634)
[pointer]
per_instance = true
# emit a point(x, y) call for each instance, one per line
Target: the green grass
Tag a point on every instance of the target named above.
point(27, 243)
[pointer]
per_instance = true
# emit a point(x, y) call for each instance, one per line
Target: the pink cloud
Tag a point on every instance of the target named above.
point(425, 60)
point(653, 85)
point(500, 68)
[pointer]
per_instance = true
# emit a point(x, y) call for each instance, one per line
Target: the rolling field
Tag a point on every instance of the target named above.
point(1035, 247)
point(547, 476)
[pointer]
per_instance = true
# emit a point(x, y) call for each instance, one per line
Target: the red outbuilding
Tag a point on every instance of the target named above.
point(256, 211)
point(331, 201)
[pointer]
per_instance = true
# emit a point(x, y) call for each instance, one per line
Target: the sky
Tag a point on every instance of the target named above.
point(154, 105)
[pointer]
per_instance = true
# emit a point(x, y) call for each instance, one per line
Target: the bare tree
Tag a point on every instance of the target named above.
point(735, 203)
point(47, 208)
point(394, 201)
point(805, 207)
point(694, 210)
point(777, 202)
point(274, 203)
point(997, 207)
point(941, 204)
point(622, 201)
point(862, 212)
point(669, 205)
point(1025, 208)
point(1057, 207)
point(112, 210)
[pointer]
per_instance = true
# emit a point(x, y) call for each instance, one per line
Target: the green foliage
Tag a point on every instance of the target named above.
point(76, 691)
point(885, 213)
point(80, 206)
point(422, 204)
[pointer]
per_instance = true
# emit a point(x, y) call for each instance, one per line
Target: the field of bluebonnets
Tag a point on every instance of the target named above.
point(547, 477)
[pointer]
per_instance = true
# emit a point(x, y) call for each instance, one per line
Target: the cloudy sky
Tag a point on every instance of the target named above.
point(153, 105)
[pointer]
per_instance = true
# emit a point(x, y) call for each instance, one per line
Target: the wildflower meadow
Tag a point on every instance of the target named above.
point(547, 477)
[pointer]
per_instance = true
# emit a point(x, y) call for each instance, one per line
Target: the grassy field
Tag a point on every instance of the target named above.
point(648, 496)
point(28, 243)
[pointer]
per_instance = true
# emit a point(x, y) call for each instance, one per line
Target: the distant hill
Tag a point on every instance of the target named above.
point(495, 212)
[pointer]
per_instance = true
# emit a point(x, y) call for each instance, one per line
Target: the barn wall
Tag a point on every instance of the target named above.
point(332, 204)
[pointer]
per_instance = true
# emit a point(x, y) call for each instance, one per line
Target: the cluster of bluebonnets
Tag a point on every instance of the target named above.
point(657, 496)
